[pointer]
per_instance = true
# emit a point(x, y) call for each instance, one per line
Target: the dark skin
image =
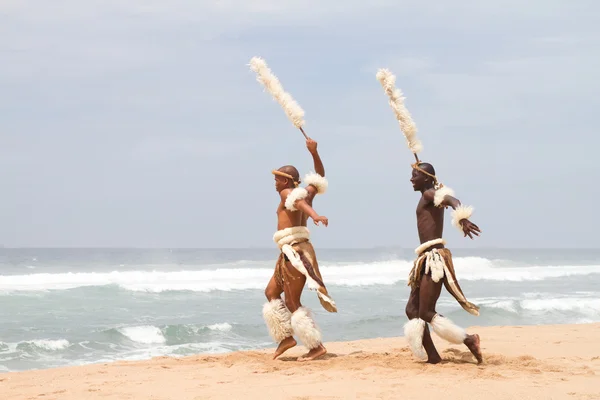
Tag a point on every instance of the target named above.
point(287, 219)
point(311, 145)
point(430, 225)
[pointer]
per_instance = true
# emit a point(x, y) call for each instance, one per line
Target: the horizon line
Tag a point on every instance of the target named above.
point(273, 248)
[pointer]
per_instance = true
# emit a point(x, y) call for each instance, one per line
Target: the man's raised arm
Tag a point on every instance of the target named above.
point(315, 181)
point(311, 145)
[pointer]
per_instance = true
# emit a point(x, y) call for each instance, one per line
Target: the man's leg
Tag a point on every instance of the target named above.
point(278, 318)
point(442, 326)
point(428, 297)
point(303, 324)
point(420, 330)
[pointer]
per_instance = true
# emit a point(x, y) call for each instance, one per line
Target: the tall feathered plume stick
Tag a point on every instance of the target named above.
point(407, 125)
point(264, 75)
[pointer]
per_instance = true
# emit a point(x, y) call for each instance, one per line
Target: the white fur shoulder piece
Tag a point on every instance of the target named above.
point(440, 194)
point(318, 181)
point(297, 194)
point(461, 212)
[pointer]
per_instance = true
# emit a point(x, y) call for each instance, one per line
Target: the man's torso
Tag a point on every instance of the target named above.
point(430, 221)
point(289, 219)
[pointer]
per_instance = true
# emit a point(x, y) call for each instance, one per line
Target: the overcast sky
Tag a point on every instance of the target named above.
point(139, 123)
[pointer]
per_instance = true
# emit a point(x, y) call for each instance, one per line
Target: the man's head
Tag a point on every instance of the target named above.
point(286, 177)
point(423, 177)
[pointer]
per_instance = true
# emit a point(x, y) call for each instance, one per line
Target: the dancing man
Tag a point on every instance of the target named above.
point(297, 263)
point(433, 267)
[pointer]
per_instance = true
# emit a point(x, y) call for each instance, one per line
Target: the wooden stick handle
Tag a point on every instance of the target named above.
point(302, 130)
point(417, 157)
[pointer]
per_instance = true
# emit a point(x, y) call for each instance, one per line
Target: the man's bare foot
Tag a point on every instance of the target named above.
point(285, 345)
point(314, 354)
point(434, 360)
point(472, 342)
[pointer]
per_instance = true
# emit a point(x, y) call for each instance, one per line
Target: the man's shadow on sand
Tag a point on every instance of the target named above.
point(459, 357)
point(327, 356)
point(455, 357)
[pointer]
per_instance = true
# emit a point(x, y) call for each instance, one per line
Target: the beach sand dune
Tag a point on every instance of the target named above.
point(531, 362)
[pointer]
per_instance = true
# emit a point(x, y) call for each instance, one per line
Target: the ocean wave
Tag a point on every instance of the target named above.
point(166, 334)
point(40, 345)
point(129, 343)
point(224, 327)
point(143, 334)
point(149, 334)
point(575, 305)
point(228, 279)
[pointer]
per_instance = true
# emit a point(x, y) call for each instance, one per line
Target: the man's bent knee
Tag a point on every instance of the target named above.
point(271, 294)
point(292, 305)
point(411, 312)
point(426, 316)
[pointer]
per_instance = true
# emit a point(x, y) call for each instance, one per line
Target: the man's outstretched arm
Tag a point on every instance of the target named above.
point(294, 200)
point(303, 206)
point(444, 197)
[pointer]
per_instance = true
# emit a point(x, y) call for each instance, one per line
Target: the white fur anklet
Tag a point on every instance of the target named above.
point(413, 331)
point(278, 320)
point(305, 328)
point(447, 330)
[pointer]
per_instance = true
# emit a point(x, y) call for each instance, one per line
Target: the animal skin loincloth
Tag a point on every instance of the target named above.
point(438, 263)
point(296, 248)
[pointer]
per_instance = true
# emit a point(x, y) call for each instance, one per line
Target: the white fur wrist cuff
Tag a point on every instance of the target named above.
point(297, 194)
point(440, 194)
point(318, 181)
point(461, 212)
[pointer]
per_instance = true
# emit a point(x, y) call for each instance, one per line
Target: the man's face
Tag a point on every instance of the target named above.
point(418, 180)
point(280, 183)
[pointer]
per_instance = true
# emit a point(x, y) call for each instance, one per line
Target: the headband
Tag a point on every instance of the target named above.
point(436, 184)
point(283, 174)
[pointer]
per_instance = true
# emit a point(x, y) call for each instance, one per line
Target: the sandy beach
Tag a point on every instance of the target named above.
point(533, 362)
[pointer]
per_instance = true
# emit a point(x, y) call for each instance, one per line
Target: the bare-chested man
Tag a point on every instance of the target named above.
point(297, 262)
point(433, 267)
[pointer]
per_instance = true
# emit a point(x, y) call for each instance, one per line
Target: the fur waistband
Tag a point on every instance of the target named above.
point(291, 235)
point(419, 250)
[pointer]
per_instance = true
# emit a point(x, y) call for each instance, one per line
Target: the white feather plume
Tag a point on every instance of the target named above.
point(407, 125)
point(264, 75)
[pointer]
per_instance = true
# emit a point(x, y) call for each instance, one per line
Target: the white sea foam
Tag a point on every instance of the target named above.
point(227, 279)
point(49, 344)
point(506, 305)
point(571, 304)
point(144, 334)
point(224, 327)
point(542, 304)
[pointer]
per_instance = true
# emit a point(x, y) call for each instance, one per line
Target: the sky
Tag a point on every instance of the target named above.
point(140, 124)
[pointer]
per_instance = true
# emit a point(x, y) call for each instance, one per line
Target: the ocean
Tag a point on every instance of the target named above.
point(61, 307)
